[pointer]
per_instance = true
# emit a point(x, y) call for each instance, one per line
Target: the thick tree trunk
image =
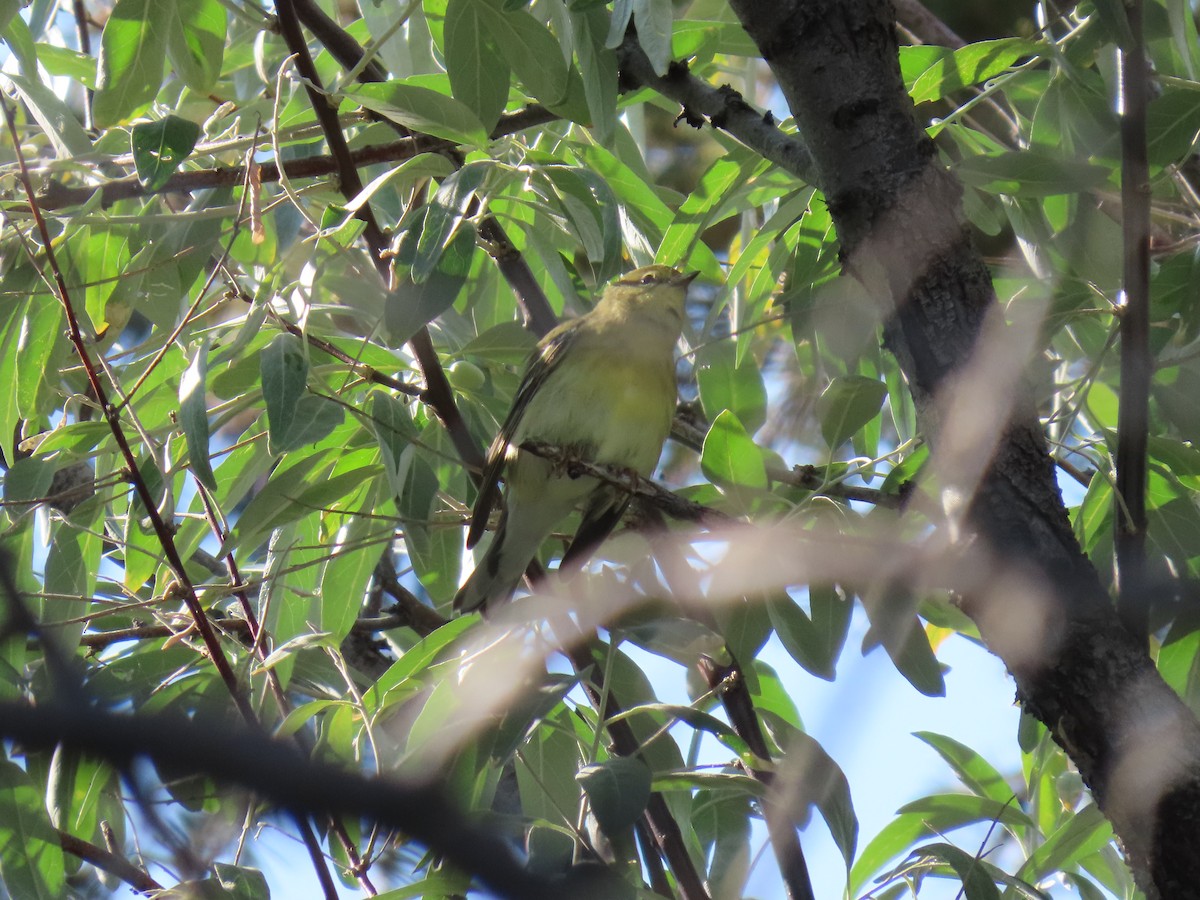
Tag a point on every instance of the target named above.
point(899, 219)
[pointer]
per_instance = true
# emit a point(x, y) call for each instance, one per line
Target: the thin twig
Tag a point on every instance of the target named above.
point(84, 36)
point(643, 488)
point(1137, 362)
point(117, 866)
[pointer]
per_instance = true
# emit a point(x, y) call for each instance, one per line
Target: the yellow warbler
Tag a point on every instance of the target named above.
point(602, 388)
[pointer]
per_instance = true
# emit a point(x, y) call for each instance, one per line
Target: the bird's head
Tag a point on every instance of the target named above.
point(654, 294)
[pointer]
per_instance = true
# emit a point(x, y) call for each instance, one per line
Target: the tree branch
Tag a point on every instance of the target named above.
point(509, 261)
point(643, 488)
point(438, 394)
point(730, 685)
point(722, 108)
point(59, 196)
point(899, 221)
point(282, 776)
point(117, 866)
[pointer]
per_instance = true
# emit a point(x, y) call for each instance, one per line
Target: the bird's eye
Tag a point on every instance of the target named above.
point(648, 279)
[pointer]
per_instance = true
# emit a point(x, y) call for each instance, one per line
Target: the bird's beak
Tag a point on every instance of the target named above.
point(685, 280)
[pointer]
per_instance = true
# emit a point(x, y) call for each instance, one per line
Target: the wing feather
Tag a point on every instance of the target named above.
point(543, 362)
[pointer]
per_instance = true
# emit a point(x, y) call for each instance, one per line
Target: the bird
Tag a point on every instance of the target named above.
point(602, 388)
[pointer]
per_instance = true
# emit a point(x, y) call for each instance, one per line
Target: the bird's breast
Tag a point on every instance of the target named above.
point(611, 409)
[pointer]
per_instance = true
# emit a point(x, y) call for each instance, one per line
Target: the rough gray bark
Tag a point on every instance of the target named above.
point(899, 219)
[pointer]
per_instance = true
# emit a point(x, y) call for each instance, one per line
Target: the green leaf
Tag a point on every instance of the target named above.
point(39, 333)
point(1172, 120)
point(357, 548)
point(890, 610)
point(1081, 835)
point(1115, 21)
point(193, 416)
point(974, 873)
point(597, 68)
point(68, 63)
point(74, 784)
point(229, 883)
point(443, 217)
point(530, 49)
point(654, 19)
point(436, 557)
point(93, 263)
point(196, 41)
point(927, 816)
point(293, 493)
point(618, 790)
point(132, 54)
point(412, 304)
point(160, 148)
point(825, 786)
point(698, 212)
point(508, 343)
point(20, 42)
point(847, 405)
point(58, 122)
point(730, 457)
point(814, 643)
point(284, 367)
point(31, 860)
point(394, 430)
point(12, 320)
point(726, 385)
point(424, 110)
point(478, 72)
point(441, 644)
point(953, 70)
point(1030, 173)
point(73, 563)
point(943, 812)
point(8, 9)
point(979, 776)
point(28, 480)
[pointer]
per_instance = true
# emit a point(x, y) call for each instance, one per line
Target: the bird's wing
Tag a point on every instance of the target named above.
point(544, 360)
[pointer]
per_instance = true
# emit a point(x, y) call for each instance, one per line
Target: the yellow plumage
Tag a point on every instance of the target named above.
point(602, 387)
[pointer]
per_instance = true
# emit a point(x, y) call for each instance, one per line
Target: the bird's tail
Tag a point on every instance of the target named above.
point(495, 577)
point(517, 540)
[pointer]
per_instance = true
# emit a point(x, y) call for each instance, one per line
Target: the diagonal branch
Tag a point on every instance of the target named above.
point(438, 394)
point(117, 866)
point(722, 108)
point(509, 261)
point(730, 685)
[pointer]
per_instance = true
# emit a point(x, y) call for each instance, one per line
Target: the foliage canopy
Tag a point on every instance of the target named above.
point(237, 461)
